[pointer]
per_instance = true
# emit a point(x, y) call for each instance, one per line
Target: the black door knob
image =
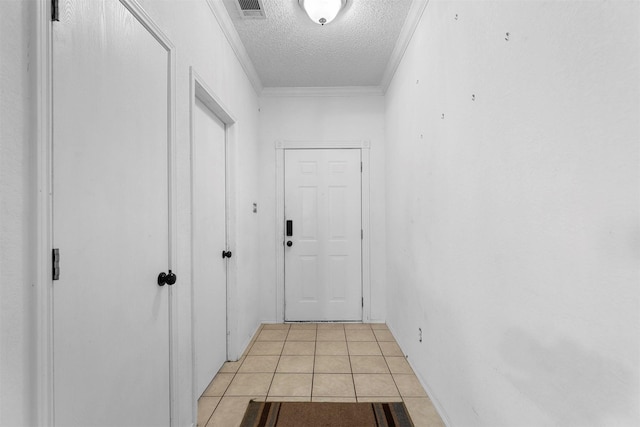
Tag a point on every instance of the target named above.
point(226, 254)
point(171, 278)
point(167, 278)
point(289, 243)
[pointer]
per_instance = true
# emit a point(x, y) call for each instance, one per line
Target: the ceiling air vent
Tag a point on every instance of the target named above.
point(251, 9)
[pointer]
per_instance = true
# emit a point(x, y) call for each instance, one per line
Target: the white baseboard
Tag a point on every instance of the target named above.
point(425, 385)
point(247, 341)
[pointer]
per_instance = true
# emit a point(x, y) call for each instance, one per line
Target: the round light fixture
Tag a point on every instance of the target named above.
point(322, 11)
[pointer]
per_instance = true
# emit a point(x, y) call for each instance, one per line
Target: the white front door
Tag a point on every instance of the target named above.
point(110, 218)
point(209, 240)
point(323, 266)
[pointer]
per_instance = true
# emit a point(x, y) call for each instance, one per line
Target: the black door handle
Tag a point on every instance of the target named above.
point(226, 254)
point(171, 278)
point(167, 278)
point(289, 243)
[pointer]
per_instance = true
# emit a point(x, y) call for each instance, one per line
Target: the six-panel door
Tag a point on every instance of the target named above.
point(323, 267)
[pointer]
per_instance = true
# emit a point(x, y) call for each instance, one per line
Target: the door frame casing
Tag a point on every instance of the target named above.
point(364, 147)
point(43, 415)
point(44, 382)
point(199, 90)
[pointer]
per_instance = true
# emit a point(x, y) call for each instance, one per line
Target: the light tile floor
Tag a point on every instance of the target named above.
point(319, 362)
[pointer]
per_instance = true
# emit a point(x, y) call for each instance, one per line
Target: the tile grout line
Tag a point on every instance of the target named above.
point(353, 379)
point(385, 361)
point(211, 414)
point(215, 407)
point(313, 366)
point(266, 397)
point(316, 347)
point(224, 394)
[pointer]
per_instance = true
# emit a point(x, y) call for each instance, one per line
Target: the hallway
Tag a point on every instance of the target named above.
point(148, 232)
point(319, 362)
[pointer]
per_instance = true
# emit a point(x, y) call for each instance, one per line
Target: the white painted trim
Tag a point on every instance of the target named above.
point(246, 341)
point(272, 92)
point(364, 146)
point(201, 91)
point(322, 144)
point(206, 95)
point(279, 240)
point(366, 238)
point(43, 217)
point(436, 403)
point(406, 34)
point(233, 345)
point(230, 32)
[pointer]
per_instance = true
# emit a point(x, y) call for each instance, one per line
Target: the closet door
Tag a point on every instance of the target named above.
point(111, 217)
point(209, 241)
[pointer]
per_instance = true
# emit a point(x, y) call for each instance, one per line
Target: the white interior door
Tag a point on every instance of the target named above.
point(110, 218)
point(209, 240)
point(323, 266)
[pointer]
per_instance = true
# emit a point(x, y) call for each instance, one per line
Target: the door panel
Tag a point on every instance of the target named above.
point(323, 264)
point(209, 239)
point(111, 218)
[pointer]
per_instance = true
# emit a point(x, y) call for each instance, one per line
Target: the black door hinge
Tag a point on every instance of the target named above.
point(55, 264)
point(362, 300)
point(55, 14)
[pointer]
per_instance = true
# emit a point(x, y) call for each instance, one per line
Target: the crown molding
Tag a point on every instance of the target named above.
point(272, 92)
point(224, 20)
point(406, 34)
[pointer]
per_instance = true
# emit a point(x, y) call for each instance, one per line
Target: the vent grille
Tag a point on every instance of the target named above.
point(249, 4)
point(251, 9)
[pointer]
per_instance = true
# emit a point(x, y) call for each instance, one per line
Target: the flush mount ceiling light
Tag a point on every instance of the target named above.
point(322, 11)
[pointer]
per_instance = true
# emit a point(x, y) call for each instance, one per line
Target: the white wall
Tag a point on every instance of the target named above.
point(199, 41)
point(513, 223)
point(17, 109)
point(321, 119)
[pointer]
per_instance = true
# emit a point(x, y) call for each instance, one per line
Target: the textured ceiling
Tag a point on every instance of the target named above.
point(288, 50)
